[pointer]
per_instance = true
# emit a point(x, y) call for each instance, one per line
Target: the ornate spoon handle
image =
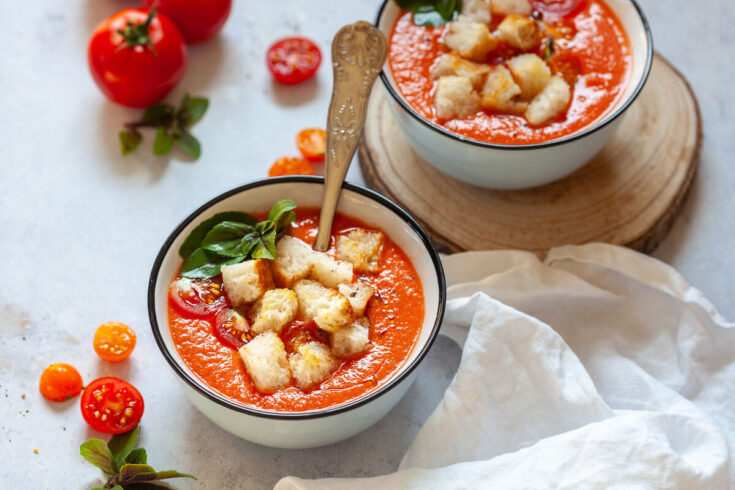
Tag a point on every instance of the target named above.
point(358, 55)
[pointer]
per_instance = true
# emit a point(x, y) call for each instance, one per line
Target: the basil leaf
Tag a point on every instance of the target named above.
point(159, 113)
point(129, 141)
point(137, 456)
point(192, 109)
point(96, 452)
point(427, 16)
point(280, 208)
point(447, 8)
point(188, 143)
point(131, 473)
point(203, 265)
point(163, 142)
point(408, 4)
point(265, 247)
point(163, 475)
point(196, 236)
point(117, 487)
point(121, 445)
point(225, 238)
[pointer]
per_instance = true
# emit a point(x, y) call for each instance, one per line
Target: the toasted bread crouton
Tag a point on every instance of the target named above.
point(454, 98)
point(531, 73)
point(330, 272)
point(451, 64)
point(505, 7)
point(247, 281)
point(276, 309)
point(351, 340)
point(358, 294)
point(501, 92)
point(325, 307)
point(266, 363)
point(550, 102)
point(293, 261)
point(472, 40)
point(520, 31)
point(311, 364)
point(476, 10)
point(361, 248)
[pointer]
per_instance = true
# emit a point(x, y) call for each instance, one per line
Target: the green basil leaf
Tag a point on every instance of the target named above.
point(194, 240)
point(137, 456)
point(447, 8)
point(265, 247)
point(188, 143)
point(163, 475)
point(225, 238)
point(203, 265)
point(117, 487)
point(409, 4)
point(427, 16)
point(121, 445)
point(129, 141)
point(96, 452)
point(163, 142)
point(159, 113)
point(131, 473)
point(264, 227)
point(280, 208)
point(192, 109)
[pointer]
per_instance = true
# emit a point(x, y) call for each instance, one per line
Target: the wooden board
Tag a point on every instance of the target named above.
point(628, 195)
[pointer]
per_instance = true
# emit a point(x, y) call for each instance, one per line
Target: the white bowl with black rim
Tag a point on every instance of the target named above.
point(317, 427)
point(500, 166)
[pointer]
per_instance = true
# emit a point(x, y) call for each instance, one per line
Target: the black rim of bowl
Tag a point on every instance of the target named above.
point(223, 401)
point(546, 144)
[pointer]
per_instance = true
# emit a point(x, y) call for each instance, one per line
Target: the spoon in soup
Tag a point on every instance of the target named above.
point(358, 55)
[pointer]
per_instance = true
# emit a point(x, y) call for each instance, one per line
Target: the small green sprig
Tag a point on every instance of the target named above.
point(123, 463)
point(431, 12)
point(231, 237)
point(172, 127)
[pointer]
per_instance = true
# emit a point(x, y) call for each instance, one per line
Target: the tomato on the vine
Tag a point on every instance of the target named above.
point(198, 20)
point(558, 8)
point(291, 166)
point(293, 60)
point(111, 405)
point(60, 382)
point(312, 143)
point(200, 297)
point(136, 57)
point(114, 342)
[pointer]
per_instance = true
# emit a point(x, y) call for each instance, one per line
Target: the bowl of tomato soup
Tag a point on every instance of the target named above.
point(514, 94)
point(393, 326)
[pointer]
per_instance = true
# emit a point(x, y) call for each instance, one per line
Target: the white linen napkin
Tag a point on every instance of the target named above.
point(597, 368)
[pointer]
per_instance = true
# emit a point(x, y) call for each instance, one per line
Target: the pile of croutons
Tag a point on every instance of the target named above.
point(522, 85)
point(312, 286)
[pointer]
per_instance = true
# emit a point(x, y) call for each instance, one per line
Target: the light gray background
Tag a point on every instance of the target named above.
point(80, 225)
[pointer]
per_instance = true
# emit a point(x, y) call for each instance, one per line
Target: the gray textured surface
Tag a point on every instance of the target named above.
point(81, 225)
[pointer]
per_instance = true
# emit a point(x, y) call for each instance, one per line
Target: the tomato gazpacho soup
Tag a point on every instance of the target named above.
point(266, 321)
point(514, 71)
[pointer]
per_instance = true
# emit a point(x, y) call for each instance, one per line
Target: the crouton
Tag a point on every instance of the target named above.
point(266, 363)
point(520, 32)
point(276, 309)
point(501, 92)
point(451, 64)
point(472, 40)
point(293, 261)
point(550, 102)
point(358, 294)
point(476, 10)
point(454, 98)
point(330, 272)
point(325, 307)
point(361, 248)
point(531, 73)
point(505, 7)
point(351, 340)
point(311, 364)
point(247, 281)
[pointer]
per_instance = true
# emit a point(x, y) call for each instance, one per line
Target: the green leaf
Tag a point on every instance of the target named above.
point(164, 475)
point(144, 486)
point(163, 142)
point(225, 238)
point(132, 473)
point(137, 456)
point(159, 113)
point(409, 4)
point(194, 240)
point(265, 247)
point(192, 109)
point(427, 16)
point(280, 209)
point(447, 8)
point(188, 143)
point(121, 445)
point(203, 265)
point(129, 141)
point(117, 487)
point(96, 452)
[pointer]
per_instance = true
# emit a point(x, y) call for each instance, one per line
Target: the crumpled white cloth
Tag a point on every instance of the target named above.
point(597, 368)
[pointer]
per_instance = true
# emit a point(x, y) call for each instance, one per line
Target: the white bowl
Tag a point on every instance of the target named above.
point(319, 427)
point(519, 166)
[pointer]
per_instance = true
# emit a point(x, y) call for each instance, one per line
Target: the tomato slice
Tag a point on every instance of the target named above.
point(111, 405)
point(114, 342)
point(558, 8)
point(59, 382)
point(293, 60)
point(312, 143)
point(231, 328)
point(198, 297)
point(291, 166)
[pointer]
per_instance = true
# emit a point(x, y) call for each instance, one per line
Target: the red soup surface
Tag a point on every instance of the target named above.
point(396, 313)
point(592, 45)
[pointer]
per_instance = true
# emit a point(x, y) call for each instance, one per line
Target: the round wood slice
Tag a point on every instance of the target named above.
point(628, 195)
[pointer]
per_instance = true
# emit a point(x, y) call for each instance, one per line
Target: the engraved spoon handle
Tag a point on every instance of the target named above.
point(358, 55)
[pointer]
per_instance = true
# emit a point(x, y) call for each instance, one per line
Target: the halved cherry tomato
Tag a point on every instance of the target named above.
point(567, 65)
point(198, 297)
point(114, 342)
point(312, 143)
point(198, 20)
point(293, 59)
point(558, 8)
point(111, 405)
point(232, 328)
point(60, 382)
point(291, 166)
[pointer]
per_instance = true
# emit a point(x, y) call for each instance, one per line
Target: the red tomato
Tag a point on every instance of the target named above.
point(198, 20)
point(312, 143)
point(114, 342)
point(136, 58)
point(291, 166)
point(197, 297)
point(558, 8)
point(111, 405)
point(293, 59)
point(60, 382)
point(232, 328)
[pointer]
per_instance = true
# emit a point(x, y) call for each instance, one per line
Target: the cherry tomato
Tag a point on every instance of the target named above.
point(312, 143)
point(60, 382)
point(198, 20)
point(558, 8)
point(114, 342)
point(199, 297)
point(111, 405)
point(136, 57)
point(291, 166)
point(567, 65)
point(293, 59)
point(232, 328)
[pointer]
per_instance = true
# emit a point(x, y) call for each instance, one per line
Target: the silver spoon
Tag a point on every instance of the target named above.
point(358, 55)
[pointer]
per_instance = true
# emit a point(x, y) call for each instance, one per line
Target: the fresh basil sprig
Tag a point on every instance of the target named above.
point(431, 12)
point(123, 463)
point(231, 237)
